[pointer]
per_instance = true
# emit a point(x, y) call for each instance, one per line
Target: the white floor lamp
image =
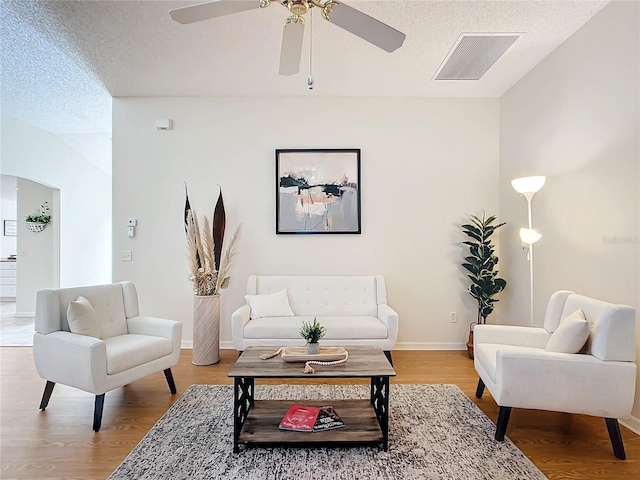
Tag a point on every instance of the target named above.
point(528, 186)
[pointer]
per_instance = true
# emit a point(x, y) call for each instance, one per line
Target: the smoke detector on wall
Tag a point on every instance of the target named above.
point(473, 55)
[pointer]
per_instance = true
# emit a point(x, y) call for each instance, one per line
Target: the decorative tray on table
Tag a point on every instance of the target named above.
point(325, 354)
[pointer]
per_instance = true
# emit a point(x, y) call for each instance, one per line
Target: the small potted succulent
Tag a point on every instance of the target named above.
point(312, 333)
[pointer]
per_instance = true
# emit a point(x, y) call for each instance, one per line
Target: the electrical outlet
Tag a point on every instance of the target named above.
point(453, 318)
point(125, 255)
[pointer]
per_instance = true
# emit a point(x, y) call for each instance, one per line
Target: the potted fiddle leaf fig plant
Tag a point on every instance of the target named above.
point(312, 333)
point(481, 263)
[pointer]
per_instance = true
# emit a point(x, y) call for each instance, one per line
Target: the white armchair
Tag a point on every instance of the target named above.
point(523, 367)
point(117, 346)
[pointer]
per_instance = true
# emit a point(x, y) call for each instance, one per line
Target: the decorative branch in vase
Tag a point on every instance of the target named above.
point(209, 269)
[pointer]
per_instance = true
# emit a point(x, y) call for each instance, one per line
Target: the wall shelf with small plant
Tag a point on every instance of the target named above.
point(37, 222)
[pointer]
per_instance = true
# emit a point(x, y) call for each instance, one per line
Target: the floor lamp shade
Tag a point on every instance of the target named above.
point(528, 186)
point(529, 236)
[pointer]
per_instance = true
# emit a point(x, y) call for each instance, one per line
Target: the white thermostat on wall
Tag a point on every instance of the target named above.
point(164, 124)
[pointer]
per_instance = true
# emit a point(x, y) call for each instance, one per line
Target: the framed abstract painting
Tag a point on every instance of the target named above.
point(318, 191)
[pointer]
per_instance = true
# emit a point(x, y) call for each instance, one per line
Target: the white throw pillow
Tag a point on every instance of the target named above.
point(83, 319)
point(273, 305)
point(571, 334)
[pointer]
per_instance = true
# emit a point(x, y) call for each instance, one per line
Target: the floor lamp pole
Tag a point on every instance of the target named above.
point(530, 255)
point(527, 187)
point(531, 280)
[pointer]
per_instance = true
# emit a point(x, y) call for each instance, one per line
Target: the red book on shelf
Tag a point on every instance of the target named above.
point(300, 418)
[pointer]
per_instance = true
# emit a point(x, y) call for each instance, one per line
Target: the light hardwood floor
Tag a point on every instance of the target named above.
point(59, 442)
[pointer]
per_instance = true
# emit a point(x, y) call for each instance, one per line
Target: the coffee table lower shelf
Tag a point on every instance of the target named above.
point(361, 425)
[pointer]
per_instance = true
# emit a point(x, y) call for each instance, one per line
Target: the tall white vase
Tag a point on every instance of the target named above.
point(206, 330)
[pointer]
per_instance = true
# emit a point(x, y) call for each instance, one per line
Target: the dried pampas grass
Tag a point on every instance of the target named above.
point(203, 253)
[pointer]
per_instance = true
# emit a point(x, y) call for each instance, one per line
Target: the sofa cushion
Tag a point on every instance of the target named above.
point(272, 305)
point(82, 318)
point(571, 335)
point(323, 295)
point(128, 351)
point(353, 327)
point(338, 328)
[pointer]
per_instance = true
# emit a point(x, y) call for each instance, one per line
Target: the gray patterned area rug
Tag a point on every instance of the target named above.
point(435, 432)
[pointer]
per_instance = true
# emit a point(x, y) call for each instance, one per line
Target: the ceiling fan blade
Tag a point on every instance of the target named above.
point(217, 8)
point(291, 49)
point(366, 27)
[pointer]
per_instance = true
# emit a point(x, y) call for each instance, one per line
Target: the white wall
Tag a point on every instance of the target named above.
point(8, 212)
point(426, 164)
point(38, 252)
point(575, 118)
point(85, 198)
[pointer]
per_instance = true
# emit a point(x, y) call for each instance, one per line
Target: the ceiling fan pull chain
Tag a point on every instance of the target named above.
point(310, 79)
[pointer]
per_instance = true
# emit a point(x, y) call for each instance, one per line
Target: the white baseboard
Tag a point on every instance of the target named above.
point(228, 345)
point(25, 314)
point(188, 345)
point(430, 346)
point(632, 423)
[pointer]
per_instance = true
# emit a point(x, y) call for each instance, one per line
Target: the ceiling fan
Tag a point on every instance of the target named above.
point(344, 16)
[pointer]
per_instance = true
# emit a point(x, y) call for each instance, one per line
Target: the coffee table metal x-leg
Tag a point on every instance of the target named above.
point(380, 402)
point(243, 388)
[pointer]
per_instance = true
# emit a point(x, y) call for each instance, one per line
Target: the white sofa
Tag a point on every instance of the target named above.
point(128, 346)
point(353, 309)
point(524, 367)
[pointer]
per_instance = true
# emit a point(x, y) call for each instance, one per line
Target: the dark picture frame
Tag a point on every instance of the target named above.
point(318, 191)
point(10, 228)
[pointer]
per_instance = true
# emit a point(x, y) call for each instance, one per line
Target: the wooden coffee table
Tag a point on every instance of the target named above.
point(256, 421)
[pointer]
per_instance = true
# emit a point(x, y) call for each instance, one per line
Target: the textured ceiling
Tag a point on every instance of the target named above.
point(62, 61)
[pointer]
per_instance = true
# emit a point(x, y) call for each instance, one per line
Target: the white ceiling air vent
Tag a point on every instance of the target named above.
point(473, 54)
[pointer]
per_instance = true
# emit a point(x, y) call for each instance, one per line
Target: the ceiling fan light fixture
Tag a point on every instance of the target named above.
point(298, 7)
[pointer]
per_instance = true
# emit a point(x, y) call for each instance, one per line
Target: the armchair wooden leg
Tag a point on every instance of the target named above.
point(97, 412)
point(503, 421)
point(48, 390)
point(388, 355)
point(169, 376)
point(480, 388)
point(616, 438)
